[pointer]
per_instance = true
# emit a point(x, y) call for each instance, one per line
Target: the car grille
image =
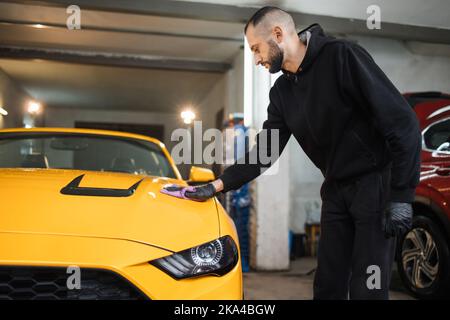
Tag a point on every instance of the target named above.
point(49, 283)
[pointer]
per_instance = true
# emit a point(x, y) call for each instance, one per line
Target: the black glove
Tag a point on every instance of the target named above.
point(202, 193)
point(397, 219)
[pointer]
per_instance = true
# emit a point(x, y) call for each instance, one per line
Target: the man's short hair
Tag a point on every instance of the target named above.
point(259, 15)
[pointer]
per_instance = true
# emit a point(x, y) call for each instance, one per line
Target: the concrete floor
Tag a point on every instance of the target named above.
point(296, 284)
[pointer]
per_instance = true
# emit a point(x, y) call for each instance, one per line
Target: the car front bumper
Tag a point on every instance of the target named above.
point(126, 258)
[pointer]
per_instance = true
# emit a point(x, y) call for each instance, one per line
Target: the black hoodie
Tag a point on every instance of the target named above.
point(346, 115)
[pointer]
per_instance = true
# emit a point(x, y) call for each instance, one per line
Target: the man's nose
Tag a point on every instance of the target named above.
point(257, 60)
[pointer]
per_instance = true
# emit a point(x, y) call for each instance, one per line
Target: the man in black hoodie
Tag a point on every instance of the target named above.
point(357, 129)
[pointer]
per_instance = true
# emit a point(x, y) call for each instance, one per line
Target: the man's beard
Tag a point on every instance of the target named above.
point(276, 56)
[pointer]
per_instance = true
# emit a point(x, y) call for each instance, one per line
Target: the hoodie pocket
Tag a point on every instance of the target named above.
point(368, 152)
point(367, 201)
point(352, 157)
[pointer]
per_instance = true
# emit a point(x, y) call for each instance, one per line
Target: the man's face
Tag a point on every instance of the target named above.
point(266, 51)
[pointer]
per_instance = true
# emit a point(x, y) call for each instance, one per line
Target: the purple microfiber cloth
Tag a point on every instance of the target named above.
point(178, 191)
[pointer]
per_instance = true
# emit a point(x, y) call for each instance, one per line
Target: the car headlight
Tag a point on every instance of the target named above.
point(216, 258)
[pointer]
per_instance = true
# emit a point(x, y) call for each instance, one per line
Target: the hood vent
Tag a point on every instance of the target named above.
point(74, 189)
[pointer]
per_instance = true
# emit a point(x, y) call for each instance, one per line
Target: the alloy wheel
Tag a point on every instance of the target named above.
point(420, 258)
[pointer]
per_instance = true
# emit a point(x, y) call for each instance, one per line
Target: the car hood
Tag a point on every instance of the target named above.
point(32, 202)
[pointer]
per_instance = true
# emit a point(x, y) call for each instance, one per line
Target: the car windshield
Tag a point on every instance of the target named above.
point(83, 152)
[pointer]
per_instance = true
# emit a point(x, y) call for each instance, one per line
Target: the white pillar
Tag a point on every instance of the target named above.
point(270, 215)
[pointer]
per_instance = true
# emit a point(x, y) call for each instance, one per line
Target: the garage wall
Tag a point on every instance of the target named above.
point(207, 109)
point(212, 103)
point(13, 99)
point(227, 93)
point(65, 117)
point(234, 99)
point(411, 67)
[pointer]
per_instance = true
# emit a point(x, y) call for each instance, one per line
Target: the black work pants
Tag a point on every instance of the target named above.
point(354, 257)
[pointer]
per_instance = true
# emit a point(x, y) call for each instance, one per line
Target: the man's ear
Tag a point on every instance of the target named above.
point(278, 34)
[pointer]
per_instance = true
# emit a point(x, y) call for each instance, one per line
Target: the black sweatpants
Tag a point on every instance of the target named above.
point(352, 247)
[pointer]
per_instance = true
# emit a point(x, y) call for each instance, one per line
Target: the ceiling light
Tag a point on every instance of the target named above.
point(39, 26)
point(3, 112)
point(187, 116)
point(34, 107)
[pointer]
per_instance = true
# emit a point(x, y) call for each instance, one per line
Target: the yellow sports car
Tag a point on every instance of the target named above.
point(82, 217)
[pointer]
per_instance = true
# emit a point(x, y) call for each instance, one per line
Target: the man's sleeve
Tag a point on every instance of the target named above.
point(245, 170)
point(366, 83)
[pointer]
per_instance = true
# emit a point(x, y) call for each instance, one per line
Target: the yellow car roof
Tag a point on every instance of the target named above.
point(91, 131)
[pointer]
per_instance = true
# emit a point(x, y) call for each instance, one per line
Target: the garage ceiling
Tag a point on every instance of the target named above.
point(177, 44)
point(180, 59)
point(42, 26)
point(431, 13)
point(89, 86)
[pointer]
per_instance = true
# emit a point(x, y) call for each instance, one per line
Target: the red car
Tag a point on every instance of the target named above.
point(423, 254)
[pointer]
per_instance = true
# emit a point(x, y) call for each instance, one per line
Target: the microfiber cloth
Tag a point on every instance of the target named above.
point(178, 191)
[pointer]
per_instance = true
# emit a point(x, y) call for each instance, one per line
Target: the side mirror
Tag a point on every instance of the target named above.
point(442, 149)
point(198, 174)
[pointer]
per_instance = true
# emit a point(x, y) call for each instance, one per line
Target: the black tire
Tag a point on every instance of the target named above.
point(425, 273)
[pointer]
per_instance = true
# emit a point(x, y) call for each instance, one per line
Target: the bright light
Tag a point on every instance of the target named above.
point(3, 112)
point(187, 116)
point(39, 26)
point(34, 107)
